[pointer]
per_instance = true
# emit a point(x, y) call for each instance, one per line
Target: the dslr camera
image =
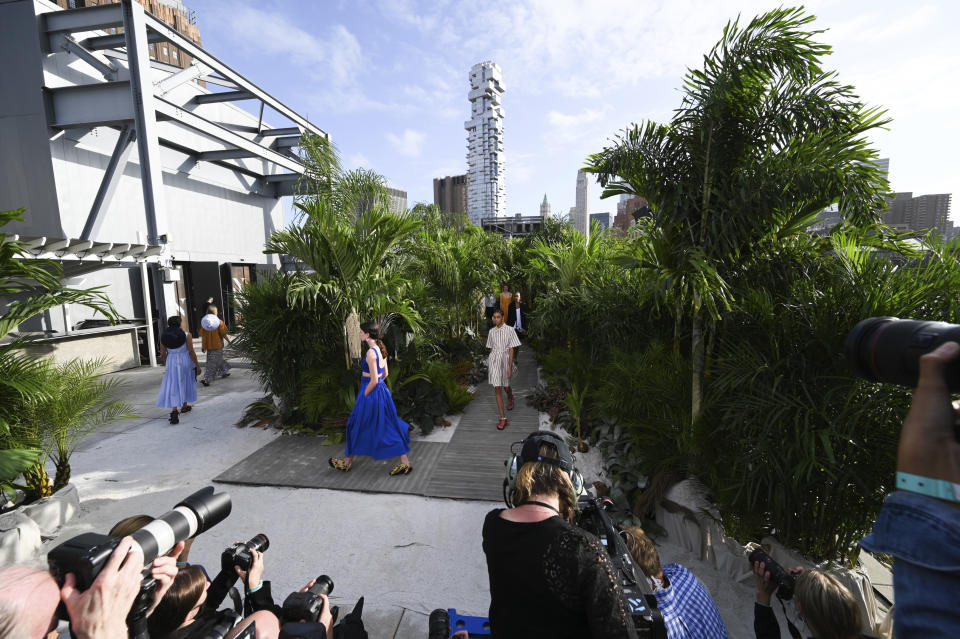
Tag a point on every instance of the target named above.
point(240, 555)
point(307, 606)
point(785, 581)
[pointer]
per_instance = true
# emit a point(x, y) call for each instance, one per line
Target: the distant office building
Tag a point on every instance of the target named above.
point(580, 219)
point(603, 219)
point(516, 226)
point(173, 12)
point(629, 212)
point(544, 207)
point(397, 200)
point(920, 213)
point(486, 194)
point(572, 213)
point(450, 193)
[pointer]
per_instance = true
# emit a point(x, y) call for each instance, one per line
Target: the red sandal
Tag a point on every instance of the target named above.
point(503, 423)
point(510, 403)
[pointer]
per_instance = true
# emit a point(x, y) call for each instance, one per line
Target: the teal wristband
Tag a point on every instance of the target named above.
point(253, 590)
point(936, 488)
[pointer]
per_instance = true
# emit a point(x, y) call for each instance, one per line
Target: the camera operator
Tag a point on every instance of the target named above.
point(822, 602)
point(919, 524)
point(688, 609)
point(29, 598)
point(548, 577)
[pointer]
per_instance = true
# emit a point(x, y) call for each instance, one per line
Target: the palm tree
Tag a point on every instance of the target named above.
point(764, 139)
point(32, 287)
point(352, 246)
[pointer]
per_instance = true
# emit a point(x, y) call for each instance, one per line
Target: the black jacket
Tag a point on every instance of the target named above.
point(512, 315)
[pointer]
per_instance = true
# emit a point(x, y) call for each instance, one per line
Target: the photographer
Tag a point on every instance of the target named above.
point(29, 598)
point(182, 614)
point(822, 602)
point(548, 577)
point(919, 524)
point(688, 609)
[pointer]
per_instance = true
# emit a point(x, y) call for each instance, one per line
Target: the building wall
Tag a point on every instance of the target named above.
point(398, 200)
point(450, 193)
point(603, 219)
point(486, 194)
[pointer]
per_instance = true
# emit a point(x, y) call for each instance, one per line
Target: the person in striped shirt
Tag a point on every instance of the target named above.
point(502, 341)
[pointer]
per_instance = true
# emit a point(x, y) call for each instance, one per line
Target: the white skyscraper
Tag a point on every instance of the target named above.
point(581, 219)
point(486, 194)
point(544, 207)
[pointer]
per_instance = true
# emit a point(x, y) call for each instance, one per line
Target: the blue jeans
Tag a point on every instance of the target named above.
point(923, 535)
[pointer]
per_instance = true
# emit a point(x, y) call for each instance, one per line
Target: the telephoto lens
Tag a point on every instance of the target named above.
point(86, 554)
point(322, 586)
point(888, 349)
point(784, 580)
point(307, 606)
point(439, 624)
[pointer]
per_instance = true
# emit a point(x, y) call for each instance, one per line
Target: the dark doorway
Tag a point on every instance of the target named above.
point(199, 281)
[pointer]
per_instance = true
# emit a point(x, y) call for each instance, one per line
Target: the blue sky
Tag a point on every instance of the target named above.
point(388, 79)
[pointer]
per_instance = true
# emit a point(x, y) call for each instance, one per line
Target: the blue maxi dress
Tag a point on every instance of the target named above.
point(374, 429)
point(179, 379)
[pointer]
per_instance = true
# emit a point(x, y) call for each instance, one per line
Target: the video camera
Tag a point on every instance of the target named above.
point(637, 591)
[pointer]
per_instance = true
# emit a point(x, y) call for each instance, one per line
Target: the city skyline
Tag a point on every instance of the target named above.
point(389, 79)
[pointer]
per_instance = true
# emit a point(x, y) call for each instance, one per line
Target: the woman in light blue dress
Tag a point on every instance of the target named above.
point(179, 386)
point(374, 428)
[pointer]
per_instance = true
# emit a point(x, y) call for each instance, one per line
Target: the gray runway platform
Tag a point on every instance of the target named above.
point(469, 466)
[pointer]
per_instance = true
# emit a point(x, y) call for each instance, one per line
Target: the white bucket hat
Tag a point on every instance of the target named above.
point(210, 322)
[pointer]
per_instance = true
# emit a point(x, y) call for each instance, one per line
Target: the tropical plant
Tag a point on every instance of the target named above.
point(763, 140)
point(283, 342)
point(356, 261)
point(576, 401)
point(80, 399)
point(13, 463)
point(30, 287)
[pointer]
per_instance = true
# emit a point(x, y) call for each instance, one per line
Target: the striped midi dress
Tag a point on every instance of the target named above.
point(500, 341)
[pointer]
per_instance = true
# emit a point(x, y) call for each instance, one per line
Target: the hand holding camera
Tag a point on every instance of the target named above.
point(100, 611)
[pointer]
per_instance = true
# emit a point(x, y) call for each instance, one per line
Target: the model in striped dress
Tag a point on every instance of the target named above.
point(502, 341)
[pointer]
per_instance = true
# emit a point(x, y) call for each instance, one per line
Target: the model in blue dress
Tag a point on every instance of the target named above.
point(374, 429)
point(179, 385)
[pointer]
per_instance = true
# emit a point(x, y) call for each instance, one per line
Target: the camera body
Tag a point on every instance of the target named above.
point(84, 555)
point(240, 554)
point(637, 592)
point(307, 606)
point(785, 580)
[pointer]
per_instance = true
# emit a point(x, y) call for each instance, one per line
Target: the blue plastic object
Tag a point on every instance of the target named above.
point(476, 626)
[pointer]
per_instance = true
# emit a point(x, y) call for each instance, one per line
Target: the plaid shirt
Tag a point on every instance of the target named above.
point(688, 610)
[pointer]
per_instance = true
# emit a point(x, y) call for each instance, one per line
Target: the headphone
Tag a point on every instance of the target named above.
point(529, 451)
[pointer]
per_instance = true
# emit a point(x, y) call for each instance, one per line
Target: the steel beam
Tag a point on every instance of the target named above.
point(169, 68)
point(171, 35)
point(281, 177)
point(290, 130)
point(192, 72)
point(230, 138)
point(115, 40)
point(108, 185)
point(229, 154)
point(89, 105)
point(286, 142)
point(223, 96)
point(106, 69)
point(141, 89)
point(102, 16)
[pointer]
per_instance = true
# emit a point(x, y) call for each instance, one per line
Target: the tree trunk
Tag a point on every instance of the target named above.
point(697, 361)
point(37, 482)
point(62, 476)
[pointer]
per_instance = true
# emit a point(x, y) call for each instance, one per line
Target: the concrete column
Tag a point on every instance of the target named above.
point(148, 311)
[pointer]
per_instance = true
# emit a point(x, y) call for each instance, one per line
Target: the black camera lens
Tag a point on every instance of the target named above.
point(784, 580)
point(439, 624)
point(322, 586)
point(259, 543)
point(888, 349)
